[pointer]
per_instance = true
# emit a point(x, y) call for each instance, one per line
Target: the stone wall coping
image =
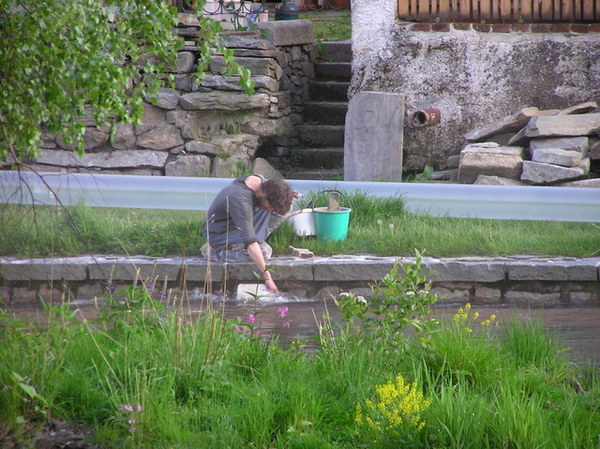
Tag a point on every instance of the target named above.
point(285, 33)
point(562, 28)
point(339, 268)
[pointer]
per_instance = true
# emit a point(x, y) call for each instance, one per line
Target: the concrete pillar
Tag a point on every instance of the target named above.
point(374, 137)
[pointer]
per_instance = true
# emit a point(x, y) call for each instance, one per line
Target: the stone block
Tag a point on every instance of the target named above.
point(59, 268)
point(163, 136)
point(151, 117)
point(475, 160)
point(191, 166)
point(262, 167)
point(165, 99)
point(257, 66)
point(540, 173)
point(223, 101)
point(581, 297)
point(352, 269)
point(374, 132)
point(199, 270)
point(485, 295)
point(586, 183)
point(532, 298)
point(185, 62)
point(124, 137)
point(554, 270)
point(286, 33)
point(556, 156)
point(292, 269)
point(457, 270)
point(134, 269)
point(222, 82)
point(579, 144)
point(511, 124)
point(199, 147)
point(563, 125)
point(451, 295)
point(485, 180)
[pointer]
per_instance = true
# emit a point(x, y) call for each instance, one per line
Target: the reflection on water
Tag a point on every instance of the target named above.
point(579, 326)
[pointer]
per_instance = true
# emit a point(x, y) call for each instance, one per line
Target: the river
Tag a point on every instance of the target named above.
point(579, 326)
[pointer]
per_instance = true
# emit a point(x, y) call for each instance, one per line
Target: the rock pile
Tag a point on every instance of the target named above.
point(534, 147)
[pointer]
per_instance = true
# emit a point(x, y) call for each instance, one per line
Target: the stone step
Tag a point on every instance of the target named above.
point(328, 91)
point(321, 136)
point(325, 112)
point(336, 52)
point(333, 71)
point(315, 174)
point(331, 157)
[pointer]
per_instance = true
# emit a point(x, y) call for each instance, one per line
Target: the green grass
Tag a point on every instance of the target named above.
point(213, 383)
point(330, 26)
point(378, 226)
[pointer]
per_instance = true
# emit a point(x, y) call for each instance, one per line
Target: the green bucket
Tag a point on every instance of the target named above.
point(332, 226)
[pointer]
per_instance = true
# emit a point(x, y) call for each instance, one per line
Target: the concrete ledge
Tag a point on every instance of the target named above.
point(505, 280)
point(285, 33)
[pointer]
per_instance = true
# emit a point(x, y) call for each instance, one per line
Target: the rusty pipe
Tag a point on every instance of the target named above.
point(426, 117)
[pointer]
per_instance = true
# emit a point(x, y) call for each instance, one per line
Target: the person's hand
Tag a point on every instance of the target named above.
point(297, 194)
point(270, 284)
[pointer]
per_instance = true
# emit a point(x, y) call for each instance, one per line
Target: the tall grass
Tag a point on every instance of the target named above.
point(378, 226)
point(145, 375)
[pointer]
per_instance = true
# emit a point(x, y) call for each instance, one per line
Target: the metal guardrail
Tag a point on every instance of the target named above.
point(162, 192)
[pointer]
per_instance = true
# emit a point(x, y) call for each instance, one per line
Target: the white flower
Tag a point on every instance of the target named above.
point(379, 222)
point(361, 299)
point(391, 225)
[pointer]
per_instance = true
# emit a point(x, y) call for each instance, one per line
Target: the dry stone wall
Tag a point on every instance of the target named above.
point(209, 126)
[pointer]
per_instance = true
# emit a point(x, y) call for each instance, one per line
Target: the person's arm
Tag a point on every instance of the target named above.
point(257, 257)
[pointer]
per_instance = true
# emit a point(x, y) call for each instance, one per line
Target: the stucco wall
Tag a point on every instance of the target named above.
point(474, 74)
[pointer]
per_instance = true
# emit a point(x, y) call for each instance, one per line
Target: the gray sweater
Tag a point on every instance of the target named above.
point(229, 218)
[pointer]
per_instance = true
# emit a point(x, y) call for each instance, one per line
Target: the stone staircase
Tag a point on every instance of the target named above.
point(320, 154)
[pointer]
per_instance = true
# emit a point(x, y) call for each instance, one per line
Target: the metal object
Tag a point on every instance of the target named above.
point(166, 192)
point(287, 11)
point(426, 117)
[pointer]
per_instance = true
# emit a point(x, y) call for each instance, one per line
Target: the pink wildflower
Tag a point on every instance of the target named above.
point(286, 324)
point(283, 310)
point(251, 318)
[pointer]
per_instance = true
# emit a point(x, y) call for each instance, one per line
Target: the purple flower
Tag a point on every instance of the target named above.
point(251, 318)
point(282, 311)
point(139, 408)
point(286, 324)
point(126, 408)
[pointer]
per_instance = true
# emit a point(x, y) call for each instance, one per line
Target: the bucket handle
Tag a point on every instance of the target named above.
point(312, 203)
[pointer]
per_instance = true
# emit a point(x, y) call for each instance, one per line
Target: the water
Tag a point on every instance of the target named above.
point(578, 326)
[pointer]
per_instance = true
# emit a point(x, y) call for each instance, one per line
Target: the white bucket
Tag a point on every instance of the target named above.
point(246, 292)
point(303, 222)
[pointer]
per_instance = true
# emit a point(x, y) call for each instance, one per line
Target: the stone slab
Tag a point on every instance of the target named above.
point(541, 173)
point(285, 33)
point(563, 125)
point(556, 156)
point(580, 144)
point(137, 268)
point(45, 269)
point(374, 132)
point(555, 270)
point(510, 124)
point(350, 268)
point(457, 270)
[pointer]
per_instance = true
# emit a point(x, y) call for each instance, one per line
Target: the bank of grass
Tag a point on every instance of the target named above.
point(378, 226)
point(146, 376)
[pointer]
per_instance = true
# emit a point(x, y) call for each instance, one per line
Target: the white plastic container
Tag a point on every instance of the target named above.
point(303, 222)
point(246, 292)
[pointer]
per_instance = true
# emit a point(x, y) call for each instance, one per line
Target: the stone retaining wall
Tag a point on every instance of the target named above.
point(518, 280)
point(208, 127)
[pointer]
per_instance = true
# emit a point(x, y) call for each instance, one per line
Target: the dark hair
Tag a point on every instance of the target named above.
point(279, 194)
